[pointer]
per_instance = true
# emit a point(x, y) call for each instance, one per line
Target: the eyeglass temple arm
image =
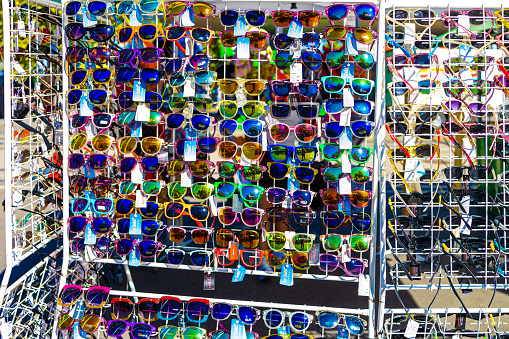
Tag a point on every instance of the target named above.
point(449, 279)
point(393, 43)
point(400, 198)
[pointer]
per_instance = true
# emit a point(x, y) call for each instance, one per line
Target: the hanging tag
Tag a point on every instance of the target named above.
point(233, 251)
point(347, 73)
point(343, 333)
point(162, 157)
point(238, 331)
point(344, 253)
point(363, 290)
point(89, 20)
point(411, 329)
point(22, 29)
point(346, 166)
point(190, 133)
point(348, 101)
point(243, 48)
point(77, 332)
point(189, 44)
point(264, 140)
point(287, 203)
point(237, 203)
point(241, 97)
point(19, 69)
point(346, 206)
point(78, 310)
point(135, 223)
point(295, 30)
point(314, 255)
point(86, 108)
point(209, 281)
point(134, 257)
point(344, 117)
point(463, 25)
point(296, 51)
point(187, 18)
point(136, 130)
point(296, 73)
point(465, 202)
point(239, 274)
point(135, 17)
point(409, 38)
point(345, 139)
point(466, 76)
point(213, 206)
point(186, 179)
point(141, 199)
point(142, 113)
point(351, 19)
point(189, 88)
point(469, 149)
point(17, 199)
point(240, 27)
point(90, 236)
point(345, 185)
point(283, 330)
point(139, 91)
point(137, 175)
point(350, 45)
point(190, 150)
point(286, 275)
point(289, 235)
point(411, 165)
point(89, 172)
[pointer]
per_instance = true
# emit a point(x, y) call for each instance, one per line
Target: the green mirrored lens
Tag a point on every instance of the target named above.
point(302, 242)
point(126, 188)
point(360, 174)
point(176, 191)
point(359, 242)
point(332, 242)
point(202, 191)
point(228, 109)
point(168, 332)
point(276, 241)
point(151, 187)
point(227, 169)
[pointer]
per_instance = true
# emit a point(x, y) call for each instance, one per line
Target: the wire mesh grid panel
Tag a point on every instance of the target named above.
point(445, 113)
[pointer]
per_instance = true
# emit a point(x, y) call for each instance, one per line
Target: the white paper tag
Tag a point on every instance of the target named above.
point(189, 88)
point(18, 68)
point(411, 329)
point(213, 206)
point(186, 179)
point(363, 290)
point(142, 113)
point(319, 129)
point(345, 185)
point(456, 336)
point(287, 203)
point(289, 235)
point(137, 175)
point(344, 117)
point(189, 45)
point(241, 97)
point(345, 257)
point(243, 48)
point(465, 202)
point(296, 73)
point(464, 23)
point(348, 100)
point(264, 140)
point(88, 129)
point(467, 146)
point(141, 199)
point(466, 76)
point(22, 29)
point(236, 203)
point(411, 165)
point(346, 166)
point(409, 38)
point(17, 199)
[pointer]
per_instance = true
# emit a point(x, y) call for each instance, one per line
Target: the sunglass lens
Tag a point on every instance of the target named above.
point(359, 242)
point(249, 239)
point(281, 88)
point(362, 129)
point(124, 246)
point(70, 295)
point(250, 192)
point(229, 17)
point(283, 41)
point(300, 321)
point(248, 315)
point(252, 172)
point(251, 216)
point(360, 154)
point(252, 127)
point(73, 8)
point(304, 175)
point(335, 59)
point(102, 225)
point(200, 236)
point(273, 319)
point(279, 153)
point(224, 235)
point(228, 109)
point(255, 18)
point(359, 198)
point(282, 18)
point(197, 310)
point(148, 248)
point(147, 309)
point(96, 296)
point(280, 111)
point(175, 257)
point(311, 60)
point(365, 12)
point(302, 242)
point(75, 54)
point(308, 88)
point(276, 195)
point(331, 197)
point(337, 12)
point(333, 219)
point(354, 324)
point(284, 59)
point(328, 319)
point(77, 224)
point(220, 311)
point(310, 18)
point(116, 328)
point(334, 33)
point(199, 212)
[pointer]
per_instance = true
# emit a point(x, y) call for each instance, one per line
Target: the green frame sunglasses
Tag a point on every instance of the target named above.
point(233, 187)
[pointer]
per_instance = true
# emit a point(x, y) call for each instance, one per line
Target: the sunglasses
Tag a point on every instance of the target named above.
point(177, 103)
point(333, 152)
point(333, 219)
point(199, 122)
point(476, 172)
point(301, 242)
point(358, 174)
point(309, 40)
point(200, 9)
point(250, 87)
point(121, 308)
point(422, 130)
point(358, 198)
point(362, 35)
point(199, 190)
point(250, 150)
point(301, 216)
point(423, 41)
point(88, 323)
point(98, 55)
point(148, 76)
point(197, 61)
point(150, 187)
point(252, 109)
point(328, 319)
point(198, 34)
point(148, 164)
point(250, 193)
point(363, 12)
point(198, 257)
point(335, 106)
point(146, 248)
point(198, 168)
point(227, 169)
point(125, 206)
point(400, 88)
point(253, 17)
point(100, 206)
point(98, 33)
point(251, 127)
point(423, 151)
point(99, 185)
point(95, 296)
point(421, 61)
point(357, 242)
point(116, 328)
point(197, 212)
point(477, 17)
point(205, 145)
point(126, 145)
point(336, 59)
point(283, 88)
point(154, 100)
point(336, 84)
point(474, 130)
point(299, 321)
point(96, 162)
point(99, 120)
point(304, 175)
point(98, 76)
point(476, 108)
point(353, 268)
point(146, 33)
point(100, 225)
point(190, 332)
point(424, 113)
point(478, 63)
point(250, 258)
point(359, 129)
point(145, 6)
point(303, 154)
point(304, 110)
point(257, 40)
point(303, 132)
point(96, 97)
point(299, 260)
point(312, 60)
point(198, 235)
point(147, 54)
point(309, 18)
point(251, 216)
point(249, 239)
point(95, 7)
point(276, 196)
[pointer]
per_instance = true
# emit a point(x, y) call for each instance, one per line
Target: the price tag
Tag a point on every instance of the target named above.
point(89, 20)
point(345, 185)
point(86, 108)
point(135, 17)
point(90, 236)
point(296, 30)
point(241, 98)
point(296, 73)
point(464, 24)
point(350, 45)
point(265, 141)
point(347, 73)
point(137, 175)
point(240, 27)
point(136, 131)
point(88, 129)
point(139, 91)
point(411, 165)
point(77, 332)
point(289, 235)
point(213, 206)
point(238, 331)
point(314, 255)
point(209, 281)
point(345, 257)
point(237, 203)
point(239, 274)
point(348, 100)
point(190, 150)
point(189, 88)
point(343, 333)
point(186, 179)
point(409, 38)
point(287, 203)
point(286, 275)
point(346, 166)
point(469, 149)
point(363, 290)
point(243, 48)
point(344, 117)
point(162, 157)
point(345, 139)
point(21, 29)
point(142, 113)
point(78, 310)
point(411, 329)
point(89, 172)
point(134, 257)
point(135, 224)
point(187, 18)
point(141, 199)
point(283, 330)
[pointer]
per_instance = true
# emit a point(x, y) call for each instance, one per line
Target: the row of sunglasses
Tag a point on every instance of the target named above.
point(252, 258)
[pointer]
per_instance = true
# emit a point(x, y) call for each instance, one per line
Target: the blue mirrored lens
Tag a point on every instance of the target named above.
point(333, 106)
point(74, 96)
point(125, 99)
point(175, 257)
point(337, 12)
point(200, 122)
point(229, 17)
point(101, 225)
point(227, 127)
point(150, 164)
point(252, 128)
point(199, 258)
point(173, 65)
point(280, 111)
point(124, 206)
point(360, 154)
point(250, 193)
point(116, 328)
point(151, 210)
point(97, 8)
point(78, 76)
point(204, 78)
point(302, 198)
point(281, 89)
point(278, 170)
point(333, 130)
point(126, 74)
point(308, 89)
point(284, 59)
point(169, 308)
point(73, 8)
point(299, 321)
point(362, 129)
point(141, 331)
point(76, 161)
point(332, 219)
point(329, 319)
point(307, 111)
point(221, 311)
point(199, 61)
point(98, 96)
point(304, 174)
point(311, 40)
point(247, 315)
point(124, 246)
point(123, 225)
point(127, 165)
point(255, 18)
point(312, 60)
point(77, 224)
point(149, 227)
point(102, 120)
point(224, 190)
point(174, 121)
point(197, 311)
point(207, 145)
point(154, 99)
point(151, 76)
point(274, 318)
point(354, 325)
point(361, 107)
point(148, 248)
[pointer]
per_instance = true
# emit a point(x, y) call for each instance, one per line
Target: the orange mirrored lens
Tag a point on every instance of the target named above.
point(151, 145)
point(127, 145)
point(252, 150)
point(254, 87)
point(310, 18)
point(227, 149)
point(78, 141)
point(101, 143)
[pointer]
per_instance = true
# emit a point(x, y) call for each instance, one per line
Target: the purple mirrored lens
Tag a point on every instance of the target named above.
point(276, 195)
point(478, 109)
point(70, 294)
point(79, 205)
point(453, 105)
point(328, 262)
point(302, 198)
point(97, 161)
point(76, 161)
point(116, 328)
point(103, 205)
point(221, 311)
point(75, 54)
point(127, 165)
point(228, 216)
point(355, 267)
point(77, 224)
point(95, 296)
point(75, 31)
point(251, 216)
point(124, 246)
point(197, 311)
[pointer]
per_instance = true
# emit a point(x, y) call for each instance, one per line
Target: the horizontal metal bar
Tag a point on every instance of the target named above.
point(446, 287)
point(445, 310)
point(245, 303)
point(446, 4)
point(224, 270)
